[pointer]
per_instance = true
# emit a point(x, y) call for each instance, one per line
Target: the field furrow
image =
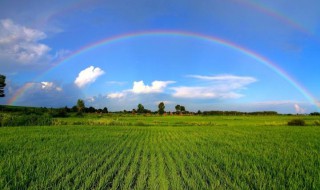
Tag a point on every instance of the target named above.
point(171, 170)
point(128, 161)
point(136, 167)
point(81, 173)
point(143, 174)
point(162, 179)
point(177, 164)
point(104, 176)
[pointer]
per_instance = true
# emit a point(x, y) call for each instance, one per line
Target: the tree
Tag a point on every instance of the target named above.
point(140, 108)
point(80, 106)
point(105, 110)
point(2, 85)
point(74, 109)
point(182, 109)
point(161, 107)
point(91, 109)
point(178, 108)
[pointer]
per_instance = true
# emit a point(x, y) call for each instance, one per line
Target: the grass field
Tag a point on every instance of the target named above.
point(173, 152)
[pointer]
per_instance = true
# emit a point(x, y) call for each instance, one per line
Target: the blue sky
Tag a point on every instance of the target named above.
point(38, 41)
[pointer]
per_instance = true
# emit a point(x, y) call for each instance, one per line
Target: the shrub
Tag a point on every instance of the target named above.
point(25, 120)
point(140, 123)
point(59, 113)
point(297, 122)
point(317, 123)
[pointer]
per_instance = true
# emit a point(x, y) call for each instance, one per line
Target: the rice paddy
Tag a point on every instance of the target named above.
point(257, 153)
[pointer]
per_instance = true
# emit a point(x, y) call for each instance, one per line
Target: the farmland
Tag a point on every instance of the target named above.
point(168, 152)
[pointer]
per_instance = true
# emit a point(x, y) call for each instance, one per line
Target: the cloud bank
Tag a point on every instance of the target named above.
point(21, 44)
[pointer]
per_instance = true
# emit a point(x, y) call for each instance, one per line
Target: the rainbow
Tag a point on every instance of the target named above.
point(70, 7)
point(170, 33)
point(274, 14)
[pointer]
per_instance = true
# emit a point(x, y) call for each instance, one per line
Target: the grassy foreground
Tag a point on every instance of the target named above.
point(217, 156)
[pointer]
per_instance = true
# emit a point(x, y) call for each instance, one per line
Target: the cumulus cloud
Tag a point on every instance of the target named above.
point(156, 87)
point(220, 86)
point(21, 44)
point(88, 76)
point(140, 88)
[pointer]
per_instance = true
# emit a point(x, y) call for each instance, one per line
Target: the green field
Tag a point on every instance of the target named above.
point(171, 152)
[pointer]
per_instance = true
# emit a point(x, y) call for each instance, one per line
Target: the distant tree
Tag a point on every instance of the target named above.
point(147, 111)
point(178, 108)
point(67, 109)
point(91, 109)
point(140, 108)
point(80, 105)
point(74, 109)
point(105, 110)
point(315, 113)
point(183, 109)
point(2, 85)
point(61, 112)
point(161, 108)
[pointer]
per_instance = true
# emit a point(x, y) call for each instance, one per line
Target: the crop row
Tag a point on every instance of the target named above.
point(159, 158)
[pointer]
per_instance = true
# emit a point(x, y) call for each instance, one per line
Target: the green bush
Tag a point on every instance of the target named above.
point(317, 123)
point(296, 122)
point(140, 123)
point(59, 113)
point(24, 120)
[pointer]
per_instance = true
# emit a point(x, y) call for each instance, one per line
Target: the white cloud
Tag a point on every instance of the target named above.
point(156, 87)
point(88, 76)
point(21, 44)
point(140, 88)
point(60, 55)
point(116, 95)
point(50, 86)
point(90, 99)
point(224, 78)
point(118, 83)
point(233, 81)
point(220, 86)
point(208, 92)
point(166, 102)
point(299, 109)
